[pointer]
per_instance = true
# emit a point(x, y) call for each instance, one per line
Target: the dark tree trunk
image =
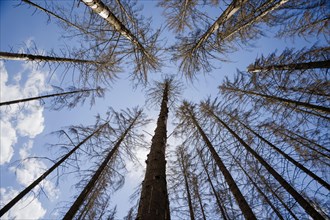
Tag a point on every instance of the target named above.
point(300, 199)
point(41, 58)
point(198, 195)
point(221, 208)
point(185, 175)
point(286, 156)
point(291, 66)
point(258, 189)
point(291, 102)
point(43, 176)
point(154, 202)
point(96, 177)
point(244, 206)
point(44, 96)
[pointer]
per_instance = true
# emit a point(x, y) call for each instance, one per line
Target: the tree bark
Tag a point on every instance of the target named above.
point(197, 194)
point(291, 66)
point(43, 176)
point(44, 96)
point(41, 58)
point(300, 199)
point(154, 202)
point(244, 206)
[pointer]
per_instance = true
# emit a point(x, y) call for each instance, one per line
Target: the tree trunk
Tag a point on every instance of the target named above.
point(222, 210)
point(244, 206)
point(43, 176)
point(270, 188)
point(291, 66)
point(228, 13)
point(300, 199)
point(41, 58)
point(185, 175)
point(197, 194)
point(286, 156)
point(154, 202)
point(44, 96)
point(101, 9)
point(58, 17)
point(290, 102)
point(96, 177)
point(255, 19)
point(258, 188)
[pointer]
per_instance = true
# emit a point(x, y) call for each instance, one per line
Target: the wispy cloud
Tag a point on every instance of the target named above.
point(20, 120)
point(27, 208)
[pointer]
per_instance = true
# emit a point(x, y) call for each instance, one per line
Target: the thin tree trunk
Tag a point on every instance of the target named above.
point(196, 191)
point(258, 188)
point(228, 13)
point(291, 102)
point(222, 210)
point(58, 17)
point(270, 188)
point(291, 66)
point(88, 188)
point(101, 9)
point(43, 176)
point(44, 96)
point(300, 199)
point(185, 175)
point(41, 58)
point(289, 158)
point(154, 202)
point(248, 23)
point(244, 206)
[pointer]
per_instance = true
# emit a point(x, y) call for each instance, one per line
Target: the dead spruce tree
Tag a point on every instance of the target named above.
point(154, 201)
point(63, 159)
point(93, 200)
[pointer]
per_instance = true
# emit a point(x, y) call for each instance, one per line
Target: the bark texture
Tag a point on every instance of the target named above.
point(154, 202)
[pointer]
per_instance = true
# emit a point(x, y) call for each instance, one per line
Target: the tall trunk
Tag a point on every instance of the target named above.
point(291, 66)
point(289, 158)
point(154, 202)
point(255, 19)
point(43, 176)
point(228, 13)
point(96, 177)
point(41, 58)
point(291, 102)
point(222, 210)
point(300, 199)
point(185, 175)
point(244, 206)
point(258, 188)
point(101, 9)
point(271, 189)
point(58, 17)
point(44, 96)
point(197, 194)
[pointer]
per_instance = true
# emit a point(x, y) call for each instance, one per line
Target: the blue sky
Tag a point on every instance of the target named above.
point(25, 129)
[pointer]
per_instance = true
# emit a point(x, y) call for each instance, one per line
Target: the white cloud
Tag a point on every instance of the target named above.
point(8, 139)
point(27, 208)
point(30, 169)
point(27, 118)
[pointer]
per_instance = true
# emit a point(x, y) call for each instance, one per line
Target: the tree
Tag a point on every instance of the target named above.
point(301, 200)
point(62, 99)
point(51, 169)
point(100, 177)
point(188, 118)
